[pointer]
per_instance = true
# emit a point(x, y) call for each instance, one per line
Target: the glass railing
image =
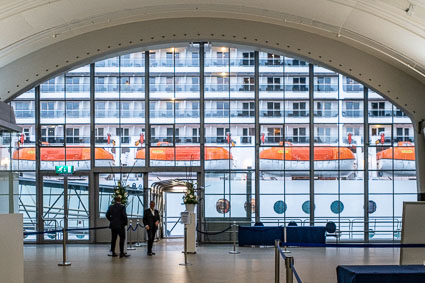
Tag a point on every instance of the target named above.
point(140, 62)
point(381, 113)
point(235, 62)
point(352, 113)
point(106, 88)
point(246, 139)
point(297, 139)
point(132, 88)
point(326, 113)
point(161, 113)
point(221, 140)
point(172, 88)
point(83, 87)
point(132, 114)
point(297, 113)
point(326, 87)
point(404, 139)
point(52, 140)
point(187, 139)
point(271, 113)
point(325, 139)
point(353, 140)
point(271, 87)
point(352, 87)
point(77, 140)
point(166, 140)
point(227, 88)
point(214, 113)
point(242, 113)
point(273, 139)
point(281, 62)
point(51, 88)
point(286, 87)
point(296, 87)
point(24, 114)
point(173, 62)
point(50, 114)
point(78, 113)
point(106, 114)
point(187, 113)
point(114, 62)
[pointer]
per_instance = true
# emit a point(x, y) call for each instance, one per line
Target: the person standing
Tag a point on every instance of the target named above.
point(151, 222)
point(117, 217)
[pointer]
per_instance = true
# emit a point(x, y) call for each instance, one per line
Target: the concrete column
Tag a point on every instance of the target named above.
point(420, 159)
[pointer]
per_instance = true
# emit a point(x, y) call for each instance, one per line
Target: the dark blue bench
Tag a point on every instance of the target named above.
point(265, 236)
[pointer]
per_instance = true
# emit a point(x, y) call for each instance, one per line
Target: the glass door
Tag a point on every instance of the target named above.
point(173, 206)
point(65, 205)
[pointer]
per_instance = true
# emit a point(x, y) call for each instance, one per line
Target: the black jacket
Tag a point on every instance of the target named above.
point(149, 219)
point(117, 216)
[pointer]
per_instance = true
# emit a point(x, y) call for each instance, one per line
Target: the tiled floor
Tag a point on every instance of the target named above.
point(212, 263)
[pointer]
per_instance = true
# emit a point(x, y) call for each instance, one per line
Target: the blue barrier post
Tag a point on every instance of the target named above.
point(276, 261)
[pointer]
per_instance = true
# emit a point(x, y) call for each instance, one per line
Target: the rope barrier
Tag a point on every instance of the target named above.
point(213, 233)
point(61, 230)
point(291, 265)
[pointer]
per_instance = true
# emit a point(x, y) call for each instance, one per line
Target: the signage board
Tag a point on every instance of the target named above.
point(64, 169)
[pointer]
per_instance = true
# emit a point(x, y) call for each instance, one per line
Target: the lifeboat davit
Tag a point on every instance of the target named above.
point(403, 158)
point(51, 156)
point(215, 157)
point(296, 160)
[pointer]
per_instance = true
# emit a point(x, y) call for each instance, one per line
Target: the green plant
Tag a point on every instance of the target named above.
point(121, 191)
point(190, 195)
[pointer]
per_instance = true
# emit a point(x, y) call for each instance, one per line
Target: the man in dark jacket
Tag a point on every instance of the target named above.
point(151, 222)
point(117, 217)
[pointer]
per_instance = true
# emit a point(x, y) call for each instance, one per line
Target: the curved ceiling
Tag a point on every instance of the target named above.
point(384, 36)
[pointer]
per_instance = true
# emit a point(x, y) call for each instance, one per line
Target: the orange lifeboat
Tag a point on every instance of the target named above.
point(402, 157)
point(215, 157)
point(25, 157)
point(293, 158)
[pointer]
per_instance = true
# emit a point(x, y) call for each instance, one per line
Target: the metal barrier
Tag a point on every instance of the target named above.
point(185, 248)
point(234, 251)
point(290, 271)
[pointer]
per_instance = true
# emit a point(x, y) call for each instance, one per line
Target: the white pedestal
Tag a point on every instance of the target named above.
point(12, 248)
point(191, 234)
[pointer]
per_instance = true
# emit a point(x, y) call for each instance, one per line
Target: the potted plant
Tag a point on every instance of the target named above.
point(120, 190)
point(189, 198)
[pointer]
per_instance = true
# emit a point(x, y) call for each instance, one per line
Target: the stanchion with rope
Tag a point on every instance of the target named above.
point(234, 251)
point(64, 262)
point(276, 261)
point(137, 244)
point(285, 250)
point(289, 263)
point(185, 248)
point(130, 228)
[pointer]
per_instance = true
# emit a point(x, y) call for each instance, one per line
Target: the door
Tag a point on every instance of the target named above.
point(173, 206)
point(65, 206)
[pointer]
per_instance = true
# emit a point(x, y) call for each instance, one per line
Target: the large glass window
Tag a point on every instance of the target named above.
point(333, 141)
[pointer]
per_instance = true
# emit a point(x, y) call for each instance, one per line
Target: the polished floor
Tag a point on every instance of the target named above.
point(212, 263)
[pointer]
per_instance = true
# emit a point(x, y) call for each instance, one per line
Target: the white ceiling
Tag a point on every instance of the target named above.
point(396, 28)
